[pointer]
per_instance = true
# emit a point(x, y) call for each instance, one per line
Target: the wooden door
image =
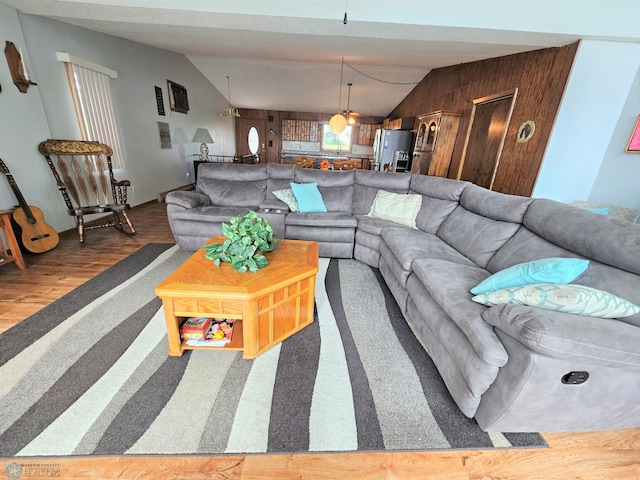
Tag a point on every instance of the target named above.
point(243, 127)
point(485, 139)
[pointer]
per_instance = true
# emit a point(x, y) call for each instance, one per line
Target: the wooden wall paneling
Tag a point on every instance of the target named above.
point(540, 77)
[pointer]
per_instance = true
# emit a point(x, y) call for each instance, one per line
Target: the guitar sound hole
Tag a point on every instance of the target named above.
point(39, 237)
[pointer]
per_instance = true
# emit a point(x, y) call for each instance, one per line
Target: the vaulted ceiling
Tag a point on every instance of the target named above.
point(287, 54)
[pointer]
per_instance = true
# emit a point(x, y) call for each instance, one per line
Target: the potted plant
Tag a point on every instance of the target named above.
point(248, 237)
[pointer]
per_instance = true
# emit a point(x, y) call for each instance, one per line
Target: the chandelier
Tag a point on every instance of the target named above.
point(230, 111)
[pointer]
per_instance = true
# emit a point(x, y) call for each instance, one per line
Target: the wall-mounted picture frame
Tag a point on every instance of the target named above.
point(164, 131)
point(178, 100)
point(633, 146)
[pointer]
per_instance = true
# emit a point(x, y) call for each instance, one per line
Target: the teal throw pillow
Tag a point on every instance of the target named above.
point(308, 197)
point(576, 299)
point(545, 270)
point(601, 211)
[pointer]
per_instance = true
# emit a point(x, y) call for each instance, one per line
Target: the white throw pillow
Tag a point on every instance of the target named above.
point(286, 195)
point(576, 299)
point(396, 207)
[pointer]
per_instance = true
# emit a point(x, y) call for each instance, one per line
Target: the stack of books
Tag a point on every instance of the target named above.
point(207, 332)
point(195, 328)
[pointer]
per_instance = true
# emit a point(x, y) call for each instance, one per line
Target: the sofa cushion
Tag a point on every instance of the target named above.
point(373, 225)
point(449, 283)
point(575, 299)
point(233, 184)
point(475, 236)
point(407, 245)
point(545, 270)
point(439, 197)
point(367, 183)
point(325, 220)
point(608, 240)
point(279, 176)
point(401, 208)
point(400, 246)
point(495, 205)
point(237, 193)
point(429, 322)
point(280, 171)
point(483, 222)
point(308, 197)
point(336, 187)
point(566, 336)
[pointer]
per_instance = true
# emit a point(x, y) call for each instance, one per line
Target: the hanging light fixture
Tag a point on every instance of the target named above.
point(347, 113)
point(230, 111)
point(338, 122)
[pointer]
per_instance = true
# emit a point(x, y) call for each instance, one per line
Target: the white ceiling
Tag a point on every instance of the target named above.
point(286, 54)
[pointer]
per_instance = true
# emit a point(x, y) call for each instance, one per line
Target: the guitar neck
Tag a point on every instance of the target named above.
point(14, 186)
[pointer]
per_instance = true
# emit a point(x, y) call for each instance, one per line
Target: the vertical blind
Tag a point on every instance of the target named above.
point(94, 105)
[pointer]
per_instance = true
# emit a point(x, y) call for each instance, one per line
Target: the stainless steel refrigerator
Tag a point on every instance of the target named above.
point(387, 143)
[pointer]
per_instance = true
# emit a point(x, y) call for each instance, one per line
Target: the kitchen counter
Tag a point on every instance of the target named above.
point(329, 156)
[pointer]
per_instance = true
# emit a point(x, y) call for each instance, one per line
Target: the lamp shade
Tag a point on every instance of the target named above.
point(202, 135)
point(337, 123)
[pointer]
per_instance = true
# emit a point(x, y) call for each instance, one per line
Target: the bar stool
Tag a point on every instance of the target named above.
point(16, 254)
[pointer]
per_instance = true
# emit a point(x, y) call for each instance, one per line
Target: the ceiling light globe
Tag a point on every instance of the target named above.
point(337, 123)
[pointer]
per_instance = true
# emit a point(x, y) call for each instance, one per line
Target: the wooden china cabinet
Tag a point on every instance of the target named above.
point(435, 137)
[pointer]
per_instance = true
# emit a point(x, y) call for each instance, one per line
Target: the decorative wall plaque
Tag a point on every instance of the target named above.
point(525, 132)
point(159, 101)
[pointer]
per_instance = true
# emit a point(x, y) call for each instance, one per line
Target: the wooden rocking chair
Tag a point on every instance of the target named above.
point(80, 171)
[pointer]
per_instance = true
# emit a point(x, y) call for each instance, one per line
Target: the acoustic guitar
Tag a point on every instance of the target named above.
point(35, 235)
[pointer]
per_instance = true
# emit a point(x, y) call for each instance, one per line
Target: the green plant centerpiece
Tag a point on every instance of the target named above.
point(248, 237)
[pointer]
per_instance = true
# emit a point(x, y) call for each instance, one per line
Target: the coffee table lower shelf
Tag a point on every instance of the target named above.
point(236, 342)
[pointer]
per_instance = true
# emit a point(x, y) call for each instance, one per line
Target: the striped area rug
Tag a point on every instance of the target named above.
point(90, 375)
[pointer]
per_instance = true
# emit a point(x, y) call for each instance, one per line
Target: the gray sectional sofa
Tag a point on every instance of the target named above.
point(514, 368)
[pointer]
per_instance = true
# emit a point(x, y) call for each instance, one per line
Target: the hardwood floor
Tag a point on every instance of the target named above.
point(598, 455)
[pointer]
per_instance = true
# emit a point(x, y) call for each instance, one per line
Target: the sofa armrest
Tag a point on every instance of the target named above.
point(187, 199)
point(567, 336)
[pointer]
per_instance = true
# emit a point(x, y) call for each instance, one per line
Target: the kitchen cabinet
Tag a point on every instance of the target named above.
point(435, 138)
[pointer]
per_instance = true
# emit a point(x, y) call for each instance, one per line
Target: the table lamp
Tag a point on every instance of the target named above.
point(202, 135)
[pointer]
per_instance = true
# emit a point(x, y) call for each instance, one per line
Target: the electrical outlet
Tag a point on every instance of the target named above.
point(188, 175)
point(133, 189)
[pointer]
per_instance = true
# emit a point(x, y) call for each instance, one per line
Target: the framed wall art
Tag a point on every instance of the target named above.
point(165, 135)
point(178, 100)
point(633, 146)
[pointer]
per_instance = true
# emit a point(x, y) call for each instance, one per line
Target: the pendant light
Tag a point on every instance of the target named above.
point(347, 113)
point(230, 111)
point(338, 122)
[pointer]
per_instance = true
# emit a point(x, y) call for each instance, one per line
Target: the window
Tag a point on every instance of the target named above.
point(91, 93)
point(336, 142)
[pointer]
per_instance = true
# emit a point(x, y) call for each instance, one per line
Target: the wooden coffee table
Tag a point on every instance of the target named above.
point(268, 306)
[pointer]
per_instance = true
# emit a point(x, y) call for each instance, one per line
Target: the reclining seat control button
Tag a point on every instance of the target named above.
point(575, 378)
